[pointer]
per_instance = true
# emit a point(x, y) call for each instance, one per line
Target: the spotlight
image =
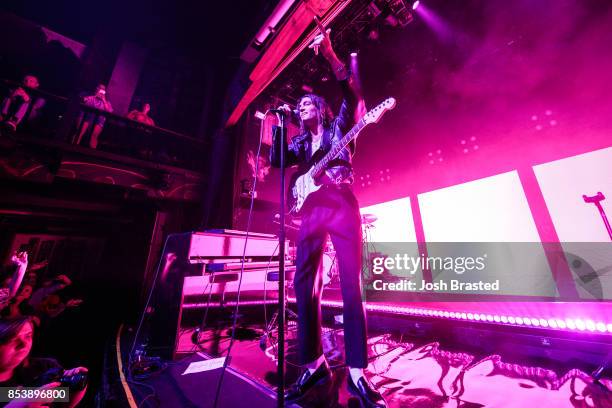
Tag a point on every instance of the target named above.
point(415, 4)
point(307, 88)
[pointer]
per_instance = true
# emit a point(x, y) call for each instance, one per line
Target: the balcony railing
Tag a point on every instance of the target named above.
point(55, 118)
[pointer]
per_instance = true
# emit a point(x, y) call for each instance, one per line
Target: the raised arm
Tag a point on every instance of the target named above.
point(21, 260)
point(346, 115)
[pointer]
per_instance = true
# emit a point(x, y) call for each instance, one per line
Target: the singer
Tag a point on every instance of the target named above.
point(333, 210)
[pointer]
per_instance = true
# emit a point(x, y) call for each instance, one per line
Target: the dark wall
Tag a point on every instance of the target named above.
point(175, 87)
point(25, 50)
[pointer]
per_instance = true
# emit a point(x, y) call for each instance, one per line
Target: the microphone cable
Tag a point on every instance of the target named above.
point(246, 238)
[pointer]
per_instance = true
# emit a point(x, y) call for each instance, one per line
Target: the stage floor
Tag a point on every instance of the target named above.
point(414, 373)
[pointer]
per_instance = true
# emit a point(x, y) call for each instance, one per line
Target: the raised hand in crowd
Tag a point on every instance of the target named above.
point(74, 302)
point(22, 93)
point(38, 265)
point(19, 259)
point(62, 280)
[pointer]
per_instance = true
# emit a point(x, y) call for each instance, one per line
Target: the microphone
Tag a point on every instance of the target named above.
point(283, 111)
point(594, 199)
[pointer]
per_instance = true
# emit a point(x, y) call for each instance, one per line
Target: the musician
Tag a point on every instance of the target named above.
point(333, 210)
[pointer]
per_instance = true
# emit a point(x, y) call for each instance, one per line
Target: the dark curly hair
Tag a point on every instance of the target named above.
point(325, 114)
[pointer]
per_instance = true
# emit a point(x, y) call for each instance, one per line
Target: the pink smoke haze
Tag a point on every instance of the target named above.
point(529, 81)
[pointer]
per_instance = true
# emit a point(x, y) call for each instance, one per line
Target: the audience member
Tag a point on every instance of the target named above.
point(52, 305)
point(31, 276)
point(50, 287)
point(86, 119)
point(142, 115)
point(20, 296)
point(18, 305)
point(18, 369)
point(13, 276)
point(15, 106)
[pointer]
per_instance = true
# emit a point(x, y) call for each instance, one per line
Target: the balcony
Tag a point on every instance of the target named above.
point(161, 162)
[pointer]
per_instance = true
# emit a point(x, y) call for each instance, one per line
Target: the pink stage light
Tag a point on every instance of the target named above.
point(228, 304)
point(583, 325)
point(415, 4)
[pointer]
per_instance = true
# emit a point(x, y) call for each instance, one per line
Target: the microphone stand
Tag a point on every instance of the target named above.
point(597, 199)
point(280, 391)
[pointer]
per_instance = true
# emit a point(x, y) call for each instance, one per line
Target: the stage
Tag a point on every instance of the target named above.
point(415, 362)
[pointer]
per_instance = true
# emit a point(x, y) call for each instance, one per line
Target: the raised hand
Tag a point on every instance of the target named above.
point(322, 42)
point(286, 109)
point(20, 258)
point(74, 302)
point(37, 266)
point(63, 280)
point(75, 371)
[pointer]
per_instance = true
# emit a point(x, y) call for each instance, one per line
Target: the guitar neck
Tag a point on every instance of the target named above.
point(318, 168)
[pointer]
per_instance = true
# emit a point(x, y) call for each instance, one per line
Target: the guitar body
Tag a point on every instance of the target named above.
point(301, 185)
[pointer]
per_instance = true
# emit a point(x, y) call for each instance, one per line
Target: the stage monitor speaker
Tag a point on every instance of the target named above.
point(176, 389)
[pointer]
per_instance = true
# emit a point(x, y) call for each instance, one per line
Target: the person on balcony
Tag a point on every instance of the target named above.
point(86, 119)
point(142, 115)
point(16, 105)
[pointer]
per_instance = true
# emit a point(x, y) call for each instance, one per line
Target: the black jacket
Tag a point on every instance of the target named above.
point(299, 151)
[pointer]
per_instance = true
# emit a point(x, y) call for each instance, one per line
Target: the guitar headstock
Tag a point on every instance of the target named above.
point(375, 114)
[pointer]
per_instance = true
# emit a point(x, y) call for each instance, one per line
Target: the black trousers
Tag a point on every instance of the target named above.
point(331, 210)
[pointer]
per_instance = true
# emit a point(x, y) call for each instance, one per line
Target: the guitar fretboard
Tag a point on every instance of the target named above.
point(318, 168)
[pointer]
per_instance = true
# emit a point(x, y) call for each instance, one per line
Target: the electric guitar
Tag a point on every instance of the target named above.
point(305, 184)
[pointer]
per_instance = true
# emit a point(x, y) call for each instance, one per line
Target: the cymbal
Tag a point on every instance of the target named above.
point(368, 218)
